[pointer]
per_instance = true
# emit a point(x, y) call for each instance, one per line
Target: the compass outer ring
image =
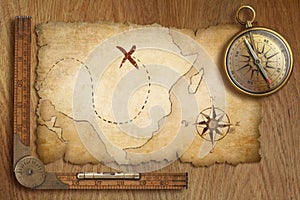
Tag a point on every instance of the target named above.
point(289, 54)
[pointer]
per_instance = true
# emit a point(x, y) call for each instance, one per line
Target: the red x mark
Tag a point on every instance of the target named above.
point(128, 56)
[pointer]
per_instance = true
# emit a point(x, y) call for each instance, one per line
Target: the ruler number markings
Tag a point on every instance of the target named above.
point(22, 72)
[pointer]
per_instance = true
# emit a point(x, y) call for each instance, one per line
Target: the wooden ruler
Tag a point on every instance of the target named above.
point(30, 171)
point(22, 73)
point(146, 181)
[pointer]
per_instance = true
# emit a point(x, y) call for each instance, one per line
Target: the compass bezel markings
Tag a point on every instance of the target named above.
point(275, 55)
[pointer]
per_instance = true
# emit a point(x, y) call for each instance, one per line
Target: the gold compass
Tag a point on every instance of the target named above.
point(258, 61)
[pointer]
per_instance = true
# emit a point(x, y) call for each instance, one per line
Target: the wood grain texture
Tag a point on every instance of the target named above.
point(276, 176)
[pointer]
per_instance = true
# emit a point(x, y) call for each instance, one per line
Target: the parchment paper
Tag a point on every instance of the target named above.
point(140, 119)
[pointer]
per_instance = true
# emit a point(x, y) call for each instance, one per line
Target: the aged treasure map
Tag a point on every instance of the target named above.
point(137, 98)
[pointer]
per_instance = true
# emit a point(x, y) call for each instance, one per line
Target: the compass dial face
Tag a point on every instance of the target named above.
point(274, 57)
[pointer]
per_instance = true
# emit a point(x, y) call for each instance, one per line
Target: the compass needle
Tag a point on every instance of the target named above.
point(263, 53)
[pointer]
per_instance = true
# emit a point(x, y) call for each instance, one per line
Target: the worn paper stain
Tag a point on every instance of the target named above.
point(69, 129)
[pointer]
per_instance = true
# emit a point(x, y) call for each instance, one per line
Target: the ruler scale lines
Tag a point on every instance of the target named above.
point(22, 79)
point(147, 181)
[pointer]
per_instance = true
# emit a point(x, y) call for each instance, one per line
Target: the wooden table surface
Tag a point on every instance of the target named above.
point(276, 176)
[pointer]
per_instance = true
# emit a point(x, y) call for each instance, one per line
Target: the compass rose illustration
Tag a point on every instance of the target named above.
point(213, 123)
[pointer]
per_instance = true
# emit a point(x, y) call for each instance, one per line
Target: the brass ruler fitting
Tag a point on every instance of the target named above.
point(125, 180)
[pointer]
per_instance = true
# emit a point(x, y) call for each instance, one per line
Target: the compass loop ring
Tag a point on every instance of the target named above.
point(247, 22)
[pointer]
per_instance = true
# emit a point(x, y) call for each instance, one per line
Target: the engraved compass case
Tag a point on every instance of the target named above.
point(258, 61)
